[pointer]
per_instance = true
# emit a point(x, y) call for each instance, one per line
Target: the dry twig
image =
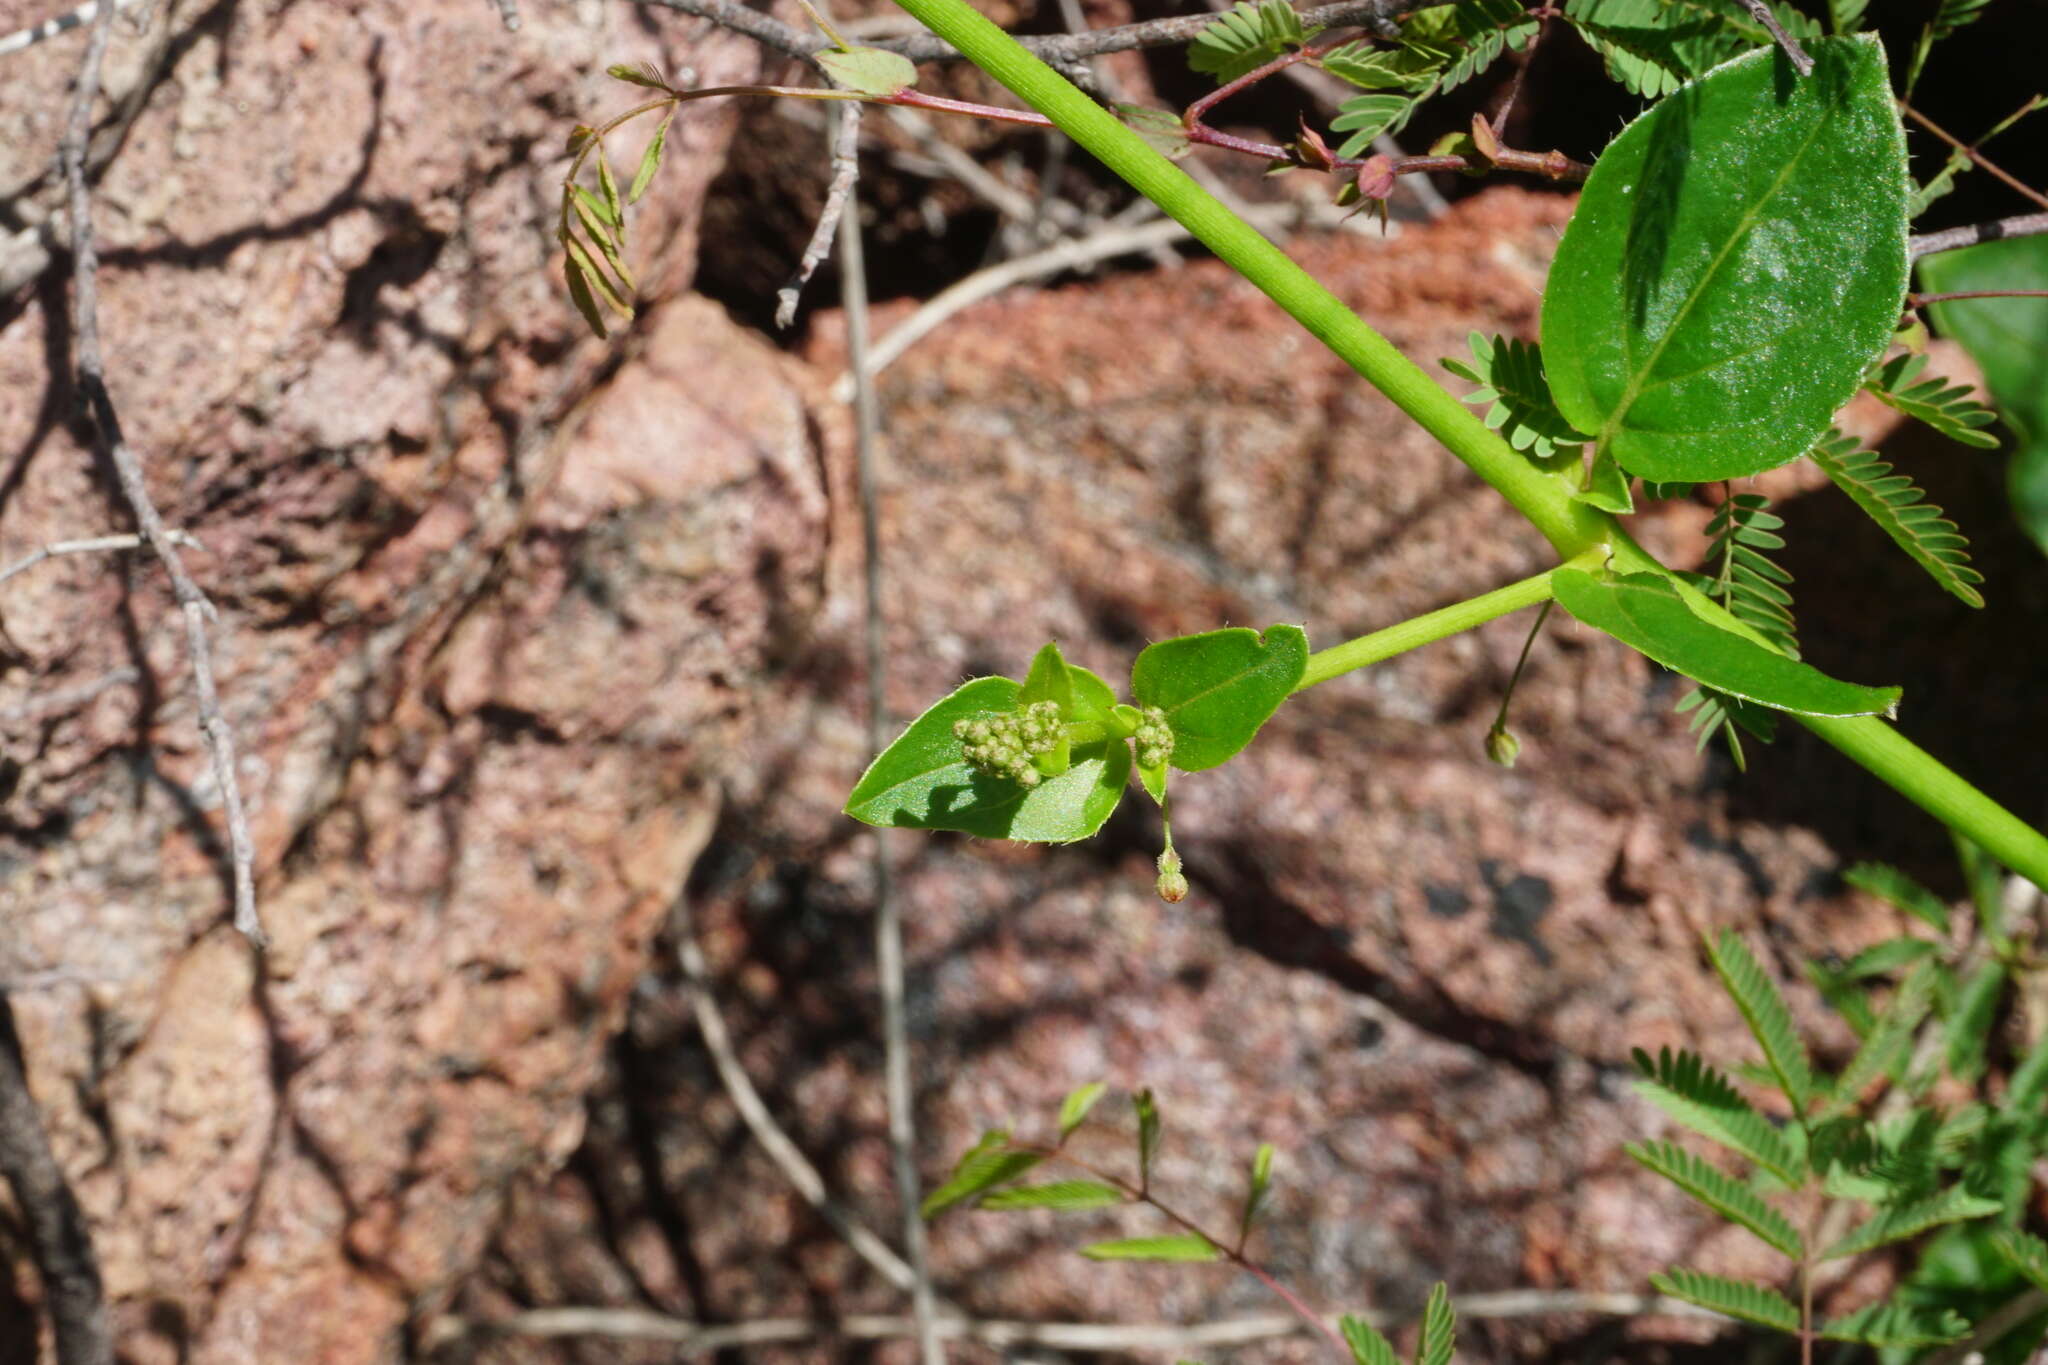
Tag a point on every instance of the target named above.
point(1951, 239)
point(92, 382)
point(57, 1233)
point(95, 545)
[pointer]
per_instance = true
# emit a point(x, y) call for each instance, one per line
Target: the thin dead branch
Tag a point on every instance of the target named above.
point(95, 545)
point(198, 612)
point(58, 1237)
point(1955, 238)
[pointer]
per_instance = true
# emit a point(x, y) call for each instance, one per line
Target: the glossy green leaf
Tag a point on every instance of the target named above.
point(1737, 259)
point(923, 780)
point(1186, 1246)
point(869, 70)
point(1065, 1195)
point(1074, 1108)
point(1646, 613)
point(1606, 486)
point(1218, 688)
point(2008, 338)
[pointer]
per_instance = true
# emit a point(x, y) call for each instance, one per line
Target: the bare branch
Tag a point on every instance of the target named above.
point(67, 699)
point(694, 1339)
point(1950, 239)
point(85, 547)
point(50, 28)
point(1060, 50)
point(57, 1233)
point(1761, 12)
point(845, 170)
point(92, 382)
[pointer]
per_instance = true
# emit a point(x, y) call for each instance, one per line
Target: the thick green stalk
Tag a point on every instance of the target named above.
point(1572, 527)
point(1432, 626)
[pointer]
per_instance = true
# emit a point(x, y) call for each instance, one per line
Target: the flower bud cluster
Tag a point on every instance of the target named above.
point(1154, 737)
point(1003, 745)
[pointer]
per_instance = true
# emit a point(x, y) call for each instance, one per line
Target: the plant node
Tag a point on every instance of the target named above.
point(1007, 745)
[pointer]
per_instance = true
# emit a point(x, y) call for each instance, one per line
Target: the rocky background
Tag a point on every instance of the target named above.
point(528, 639)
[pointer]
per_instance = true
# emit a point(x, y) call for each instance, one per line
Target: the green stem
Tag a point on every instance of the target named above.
point(1430, 627)
point(1572, 527)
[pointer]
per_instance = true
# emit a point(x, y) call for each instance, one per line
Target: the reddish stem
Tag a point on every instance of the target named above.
point(1922, 300)
point(1971, 152)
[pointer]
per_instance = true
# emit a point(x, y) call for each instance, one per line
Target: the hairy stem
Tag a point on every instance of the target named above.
point(1432, 626)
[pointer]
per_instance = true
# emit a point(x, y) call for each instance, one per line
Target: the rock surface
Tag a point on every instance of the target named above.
point(522, 634)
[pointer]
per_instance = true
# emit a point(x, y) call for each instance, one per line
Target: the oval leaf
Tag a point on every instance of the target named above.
point(923, 781)
point(1645, 612)
point(869, 70)
point(1179, 1247)
point(1059, 1194)
point(1737, 259)
point(1218, 688)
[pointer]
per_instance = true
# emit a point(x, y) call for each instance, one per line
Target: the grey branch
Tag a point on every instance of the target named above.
point(92, 382)
point(845, 171)
point(692, 1338)
point(1061, 50)
point(57, 1233)
point(50, 28)
point(1761, 12)
point(95, 545)
point(1950, 239)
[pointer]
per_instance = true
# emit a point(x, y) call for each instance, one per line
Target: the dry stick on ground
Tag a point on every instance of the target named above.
point(92, 381)
point(691, 1338)
point(57, 1233)
point(50, 28)
point(888, 913)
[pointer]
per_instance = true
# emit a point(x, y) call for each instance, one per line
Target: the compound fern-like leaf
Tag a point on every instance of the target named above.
point(1950, 409)
point(1755, 1303)
point(1245, 37)
point(1439, 1328)
point(1731, 1199)
point(1901, 1221)
point(2028, 1253)
point(1696, 1095)
point(1764, 1010)
point(1368, 1346)
point(1509, 372)
point(1896, 1324)
point(1899, 508)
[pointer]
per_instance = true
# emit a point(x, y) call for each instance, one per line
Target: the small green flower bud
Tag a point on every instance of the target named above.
point(1502, 747)
point(1173, 886)
point(1154, 738)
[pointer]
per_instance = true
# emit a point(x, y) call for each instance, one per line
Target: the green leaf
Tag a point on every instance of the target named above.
point(1892, 1324)
point(1737, 258)
point(1365, 117)
point(1379, 68)
point(2028, 1253)
point(1148, 1133)
point(1900, 892)
point(1218, 688)
point(1245, 37)
point(594, 276)
point(1048, 680)
point(990, 1162)
point(1606, 487)
point(643, 74)
point(868, 70)
point(588, 209)
point(1882, 959)
point(1255, 1190)
point(1652, 46)
point(1513, 385)
point(1890, 1038)
point(1161, 128)
point(1696, 1095)
point(1949, 408)
point(615, 211)
point(1900, 1221)
point(650, 161)
point(1439, 1328)
point(580, 295)
point(2008, 338)
point(1846, 16)
point(1732, 1200)
point(1750, 1302)
point(1368, 1347)
point(1971, 1020)
point(1059, 1194)
point(1074, 1108)
point(923, 780)
point(1763, 1009)
point(1646, 613)
point(1747, 581)
point(596, 214)
point(1185, 1246)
